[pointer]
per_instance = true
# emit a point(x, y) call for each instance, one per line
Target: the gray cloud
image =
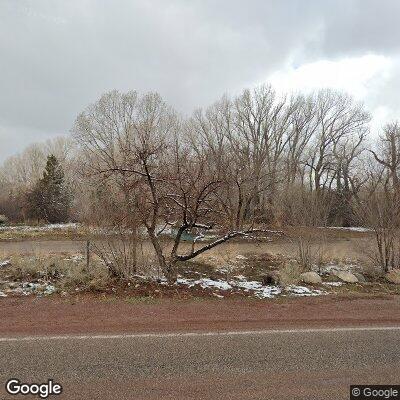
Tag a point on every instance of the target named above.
point(58, 56)
point(362, 26)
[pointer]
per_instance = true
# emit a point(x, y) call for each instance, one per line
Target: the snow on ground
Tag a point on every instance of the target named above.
point(218, 286)
point(254, 287)
point(205, 283)
point(248, 285)
point(44, 228)
point(303, 291)
point(351, 228)
point(26, 288)
point(268, 292)
point(333, 283)
point(75, 258)
point(5, 263)
point(334, 267)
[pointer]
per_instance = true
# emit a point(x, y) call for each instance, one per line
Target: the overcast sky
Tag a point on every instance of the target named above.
point(57, 56)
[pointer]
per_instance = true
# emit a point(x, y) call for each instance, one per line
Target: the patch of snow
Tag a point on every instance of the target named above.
point(75, 258)
point(248, 285)
point(333, 283)
point(332, 268)
point(223, 285)
point(141, 276)
point(241, 257)
point(5, 263)
point(257, 289)
point(351, 228)
point(2, 294)
point(161, 229)
point(205, 283)
point(224, 270)
point(272, 291)
point(303, 291)
point(205, 237)
point(50, 289)
point(49, 227)
point(27, 288)
point(184, 281)
point(240, 277)
point(268, 292)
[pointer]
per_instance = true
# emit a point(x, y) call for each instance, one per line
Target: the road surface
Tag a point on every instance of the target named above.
point(276, 364)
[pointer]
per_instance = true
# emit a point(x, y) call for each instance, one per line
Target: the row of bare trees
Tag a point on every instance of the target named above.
point(243, 163)
point(270, 148)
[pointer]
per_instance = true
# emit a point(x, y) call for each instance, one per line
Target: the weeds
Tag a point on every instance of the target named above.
point(289, 274)
point(67, 273)
point(311, 251)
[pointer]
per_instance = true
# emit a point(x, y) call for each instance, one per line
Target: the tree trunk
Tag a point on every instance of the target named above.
point(168, 269)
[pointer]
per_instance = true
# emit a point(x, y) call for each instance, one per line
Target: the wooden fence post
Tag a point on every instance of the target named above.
point(87, 254)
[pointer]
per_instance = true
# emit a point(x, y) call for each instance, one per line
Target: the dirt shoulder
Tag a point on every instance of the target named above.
point(88, 315)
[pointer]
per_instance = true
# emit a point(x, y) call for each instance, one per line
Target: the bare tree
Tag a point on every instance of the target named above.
point(140, 139)
point(303, 127)
point(390, 153)
point(246, 137)
point(338, 119)
point(380, 211)
point(347, 153)
point(263, 158)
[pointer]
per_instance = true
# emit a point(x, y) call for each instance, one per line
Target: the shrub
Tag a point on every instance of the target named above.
point(3, 219)
point(289, 274)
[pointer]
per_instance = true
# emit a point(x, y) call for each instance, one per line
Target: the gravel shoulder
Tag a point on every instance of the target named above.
point(80, 314)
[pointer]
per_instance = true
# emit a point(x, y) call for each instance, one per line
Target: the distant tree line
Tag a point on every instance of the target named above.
point(252, 160)
point(33, 185)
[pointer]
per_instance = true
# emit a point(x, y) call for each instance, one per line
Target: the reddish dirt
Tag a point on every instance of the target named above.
point(90, 315)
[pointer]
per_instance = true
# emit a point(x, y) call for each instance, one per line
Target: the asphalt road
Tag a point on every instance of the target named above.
point(302, 364)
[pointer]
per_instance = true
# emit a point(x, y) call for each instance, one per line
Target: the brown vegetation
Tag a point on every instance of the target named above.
point(234, 169)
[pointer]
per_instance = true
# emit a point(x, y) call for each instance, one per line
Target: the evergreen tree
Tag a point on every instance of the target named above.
point(50, 199)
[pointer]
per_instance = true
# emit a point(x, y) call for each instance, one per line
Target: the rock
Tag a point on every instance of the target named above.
point(310, 277)
point(345, 276)
point(271, 278)
point(360, 277)
point(393, 276)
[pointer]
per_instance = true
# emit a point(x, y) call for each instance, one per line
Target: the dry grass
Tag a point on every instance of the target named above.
point(371, 289)
point(93, 279)
point(338, 245)
point(58, 234)
point(289, 274)
point(66, 273)
point(253, 260)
